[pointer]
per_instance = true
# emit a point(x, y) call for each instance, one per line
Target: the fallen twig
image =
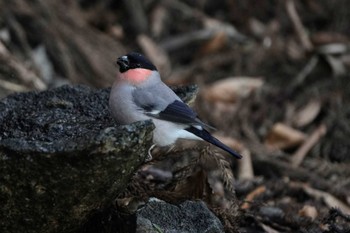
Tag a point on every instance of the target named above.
point(298, 26)
point(308, 68)
point(300, 154)
point(329, 199)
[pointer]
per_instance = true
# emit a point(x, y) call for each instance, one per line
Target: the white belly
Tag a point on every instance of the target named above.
point(167, 133)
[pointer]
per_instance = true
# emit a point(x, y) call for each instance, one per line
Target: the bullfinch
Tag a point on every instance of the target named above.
point(138, 94)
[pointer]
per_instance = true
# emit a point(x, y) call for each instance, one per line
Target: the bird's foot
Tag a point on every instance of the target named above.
point(149, 154)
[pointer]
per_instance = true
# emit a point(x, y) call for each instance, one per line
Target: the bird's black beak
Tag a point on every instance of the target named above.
point(123, 63)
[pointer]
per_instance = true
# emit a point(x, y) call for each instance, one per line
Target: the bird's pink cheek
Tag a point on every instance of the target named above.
point(136, 76)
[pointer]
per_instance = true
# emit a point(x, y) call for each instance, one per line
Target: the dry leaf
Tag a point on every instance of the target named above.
point(307, 114)
point(116, 31)
point(308, 211)
point(323, 38)
point(216, 43)
point(229, 30)
point(13, 87)
point(337, 65)
point(232, 89)
point(245, 166)
point(257, 27)
point(3, 50)
point(252, 195)
point(293, 49)
point(268, 229)
point(333, 49)
point(282, 136)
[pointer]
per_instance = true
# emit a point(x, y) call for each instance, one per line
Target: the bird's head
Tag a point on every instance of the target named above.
point(135, 68)
point(134, 60)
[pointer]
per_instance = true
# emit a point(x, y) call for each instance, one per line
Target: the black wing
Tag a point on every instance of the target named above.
point(178, 112)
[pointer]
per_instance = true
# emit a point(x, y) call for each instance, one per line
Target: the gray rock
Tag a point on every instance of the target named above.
point(62, 156)
point(187, 217)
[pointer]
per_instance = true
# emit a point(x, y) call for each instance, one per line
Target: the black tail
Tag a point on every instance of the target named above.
point(205, 135)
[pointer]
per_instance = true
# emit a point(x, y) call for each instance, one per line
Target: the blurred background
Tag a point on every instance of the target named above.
point(49, 43)
point(256, 63)
point(273, 75)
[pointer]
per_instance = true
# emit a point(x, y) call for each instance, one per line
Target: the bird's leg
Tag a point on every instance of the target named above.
point(149, 155)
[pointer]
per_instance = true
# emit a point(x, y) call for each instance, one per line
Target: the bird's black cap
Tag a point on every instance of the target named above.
point(134, 60)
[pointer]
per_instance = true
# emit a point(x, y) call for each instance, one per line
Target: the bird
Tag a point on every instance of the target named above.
point(139, 94)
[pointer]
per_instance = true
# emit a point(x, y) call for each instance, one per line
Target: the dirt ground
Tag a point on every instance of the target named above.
point(273, 80)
